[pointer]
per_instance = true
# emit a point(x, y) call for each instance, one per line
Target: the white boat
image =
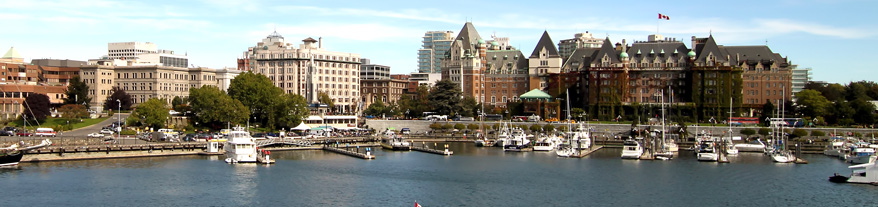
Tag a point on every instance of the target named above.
point(518, 142)
point(835, 148)
point(580, 138)
point(731, 149)
point(396, 142)
point(861, 155)
point(565, 151)
point(754, 146)
point(783, 156)
point(863, 173)
point(631, 150)
point(502, 135)
point(707, 151)
point(240, 147)
point(547, 143)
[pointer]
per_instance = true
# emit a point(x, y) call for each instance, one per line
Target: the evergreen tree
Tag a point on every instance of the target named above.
point(77, 92)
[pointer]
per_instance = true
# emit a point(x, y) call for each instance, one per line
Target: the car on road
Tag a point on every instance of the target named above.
point(95, 135)
point(7, 133)
point(106, 131)
point(24, 134)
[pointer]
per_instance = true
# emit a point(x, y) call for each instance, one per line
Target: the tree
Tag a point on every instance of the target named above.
point(323, 98)
point(213, 106)
point(548, 128)
point(154, 112)
point(863, 111)
point(256, 92)
point(468, 107)
point(73, 111)
point(445, 97)
point(578, 113)
point(375, 109)
point(799, 133)
point(472, 126)
point(842, 113)
point(176, 102)
point(812, 103)
point(764, 131)
point(36, 106)
point(536, 128)
point(77, 92)
point(459, 126)
point(288, 111)
point(117, 93)
point(817, 133)
point(767, 112)
point(748, 132)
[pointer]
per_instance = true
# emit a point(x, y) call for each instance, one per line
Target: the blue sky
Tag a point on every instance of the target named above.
point(832, 37)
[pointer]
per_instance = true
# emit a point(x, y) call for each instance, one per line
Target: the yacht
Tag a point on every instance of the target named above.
point(863, 173)
point(10, 156)
point(835, 148)
point(783, 156)
point(580, 138)
point(730, 147)
point(862, 154)
point(547, 143)
point(754, 146)
point(631, 149)
point(240, 147)
point(502, 135)
point(706, 150)
point(564, 150)
point(518, 142)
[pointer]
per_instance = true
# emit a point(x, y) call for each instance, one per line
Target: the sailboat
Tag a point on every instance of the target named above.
point(662, 152)
point(577, 140)
point(780, 153)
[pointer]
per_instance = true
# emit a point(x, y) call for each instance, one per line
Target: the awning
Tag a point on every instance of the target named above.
point(313, 118)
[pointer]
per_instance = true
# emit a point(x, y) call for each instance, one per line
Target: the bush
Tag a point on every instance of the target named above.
point(764, 131)
point(435, 126)
point(459, 126)
point(128, 132)
point(536, 128)
point(817, 133)
point(110, 113)
point(447, 126)
point(748, 132)
point(562, 128)
point(800, 133)
point(472, 126)
point(548, 127)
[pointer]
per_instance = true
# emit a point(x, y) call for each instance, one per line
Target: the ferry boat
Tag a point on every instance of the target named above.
point(240, 147)
point(631, 149)
point(10, 156)
point(396, 142)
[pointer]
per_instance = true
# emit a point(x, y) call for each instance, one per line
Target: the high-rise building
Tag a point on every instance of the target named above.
point(435, 44)
point(144, 53)
point(308, 69)
point(801, 76)
point(579, 40)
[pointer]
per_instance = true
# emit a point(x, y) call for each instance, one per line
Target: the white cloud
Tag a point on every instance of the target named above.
point(358, 32)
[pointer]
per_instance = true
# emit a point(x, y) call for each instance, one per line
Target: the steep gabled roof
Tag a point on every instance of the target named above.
point(500, 59)
point(545, 42)
point(467, 37)
point(710, 47)
point(580, 58)
point(608, 50)
point(663, 50)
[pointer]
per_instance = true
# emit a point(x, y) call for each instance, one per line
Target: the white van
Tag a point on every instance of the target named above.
point(45, 132)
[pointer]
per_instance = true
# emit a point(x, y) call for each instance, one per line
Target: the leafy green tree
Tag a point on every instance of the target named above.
point(212, 105)
point(468, 107)
point(842, 113)
point(472, 126)
point(324, 98)
point(812, 103)
point(77, 92)
point(459, 126)
point(864, 111)
point(445, 97)
point(176, 102)
point(256, 92)
point(436, 126)
point(289, 111)
point(800, 133)
point(536, 128)
point(817, 133)
point(578, 114)
point(447, 126)
point(117, 93)
point(376, 108)
point(748, 132)
point(562, 128)
point(154, 112)
point(36, 106)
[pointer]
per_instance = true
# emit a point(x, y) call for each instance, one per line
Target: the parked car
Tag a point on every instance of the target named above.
point(7, 133)
point(95, 135)
point(24, 134)
point(107, 131)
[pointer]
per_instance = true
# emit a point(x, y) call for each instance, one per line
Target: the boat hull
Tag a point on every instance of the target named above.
point(11, 160)
point(707, 156)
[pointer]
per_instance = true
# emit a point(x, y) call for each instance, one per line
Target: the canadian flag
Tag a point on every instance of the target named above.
point(665, 17)
point(417, 205)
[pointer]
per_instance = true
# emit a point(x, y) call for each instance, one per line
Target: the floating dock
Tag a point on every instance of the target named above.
point(368, 155)
point(445, 152)
point(583, 153)
point(800, 161)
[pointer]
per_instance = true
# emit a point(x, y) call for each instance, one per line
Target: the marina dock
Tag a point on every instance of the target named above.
point(583, 153)
point(445, 152)
point(368, 155)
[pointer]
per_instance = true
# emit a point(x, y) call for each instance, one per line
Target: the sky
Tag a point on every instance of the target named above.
point(833, 37)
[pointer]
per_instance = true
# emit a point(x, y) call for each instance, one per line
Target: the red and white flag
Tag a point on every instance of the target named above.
point(665, 17)
point(417, 205)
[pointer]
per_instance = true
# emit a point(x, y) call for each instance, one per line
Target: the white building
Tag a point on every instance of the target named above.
point(800, 78)
point(307, 69)
point(425, 79)
point(579, 40)
point(140, 54)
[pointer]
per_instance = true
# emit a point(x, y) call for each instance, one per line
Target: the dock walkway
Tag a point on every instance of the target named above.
point(368, 155)
point(583, 153)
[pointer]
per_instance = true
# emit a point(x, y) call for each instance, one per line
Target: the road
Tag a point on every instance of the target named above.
point(81, 132)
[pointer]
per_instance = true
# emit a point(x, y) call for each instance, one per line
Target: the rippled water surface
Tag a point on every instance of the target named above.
point(472, 177)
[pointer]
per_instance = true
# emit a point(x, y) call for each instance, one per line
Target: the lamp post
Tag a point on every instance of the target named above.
point(119, 120)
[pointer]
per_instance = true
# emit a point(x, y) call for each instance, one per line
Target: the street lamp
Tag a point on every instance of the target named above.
point(119, 120)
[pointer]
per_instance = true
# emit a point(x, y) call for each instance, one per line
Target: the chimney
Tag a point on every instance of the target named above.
point(320, 42)
point(624, 46)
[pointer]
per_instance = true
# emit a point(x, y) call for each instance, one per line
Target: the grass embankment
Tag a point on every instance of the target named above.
point(59, 123)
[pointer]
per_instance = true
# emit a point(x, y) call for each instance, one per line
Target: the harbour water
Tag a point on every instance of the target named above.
point(471, 177)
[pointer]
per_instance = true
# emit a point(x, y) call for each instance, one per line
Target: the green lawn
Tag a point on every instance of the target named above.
point(55, 122)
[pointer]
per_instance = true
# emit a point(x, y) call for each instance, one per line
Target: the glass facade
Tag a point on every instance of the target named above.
point(435, 44)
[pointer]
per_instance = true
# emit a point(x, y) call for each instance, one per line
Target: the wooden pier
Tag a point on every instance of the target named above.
point(583, 153)
point(368, 155)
